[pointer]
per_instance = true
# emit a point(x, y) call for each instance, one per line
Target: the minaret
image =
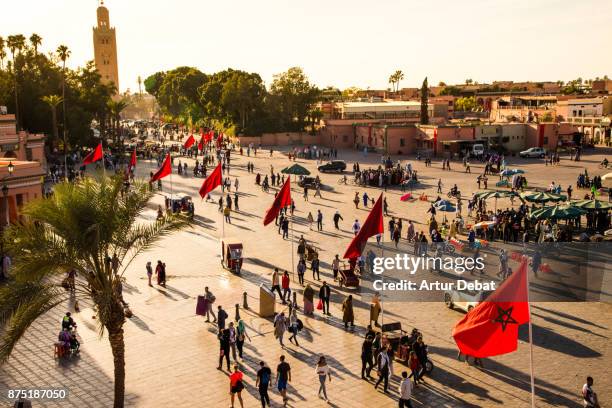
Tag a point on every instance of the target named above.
point(105, 48)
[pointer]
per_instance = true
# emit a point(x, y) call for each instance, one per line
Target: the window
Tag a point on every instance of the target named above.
point(546, 140)
point(402, 142)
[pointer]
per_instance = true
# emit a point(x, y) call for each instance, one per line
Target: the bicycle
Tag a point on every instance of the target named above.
point(345, 180)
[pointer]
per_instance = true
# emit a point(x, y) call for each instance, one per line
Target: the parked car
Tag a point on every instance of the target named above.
point(533, 152)
point(335, 165)
point(465, 300)
point(309, 182)
point(478, 150)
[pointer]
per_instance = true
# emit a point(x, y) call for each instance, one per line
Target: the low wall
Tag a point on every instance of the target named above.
point(281, 139)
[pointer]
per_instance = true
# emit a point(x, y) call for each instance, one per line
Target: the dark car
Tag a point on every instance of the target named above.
point(336, 165)
point(309, 182)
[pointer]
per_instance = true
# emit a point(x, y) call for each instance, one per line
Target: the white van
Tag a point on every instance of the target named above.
point(478, 150)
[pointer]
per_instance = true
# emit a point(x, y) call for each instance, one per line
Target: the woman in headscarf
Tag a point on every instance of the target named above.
point(347, 308)
point(308, 300)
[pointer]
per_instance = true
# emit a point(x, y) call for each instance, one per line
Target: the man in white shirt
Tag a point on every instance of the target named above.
point(589, 397)
point(405, 391)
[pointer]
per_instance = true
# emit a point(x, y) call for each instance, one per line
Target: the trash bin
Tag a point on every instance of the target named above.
point(267, 301)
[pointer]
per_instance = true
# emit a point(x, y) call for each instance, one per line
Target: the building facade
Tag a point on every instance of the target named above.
point(105, 48)
point(22, 168)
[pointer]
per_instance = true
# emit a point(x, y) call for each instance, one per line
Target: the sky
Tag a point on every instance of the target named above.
point(340, 43)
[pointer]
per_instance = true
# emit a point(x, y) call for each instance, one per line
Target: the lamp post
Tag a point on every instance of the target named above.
point(5, 191)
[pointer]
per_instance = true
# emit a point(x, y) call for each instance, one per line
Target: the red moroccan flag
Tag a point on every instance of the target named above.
point(164, 170)
point(219, 139)
point(491, 328)
point(201, 144)
point(373, 225)
point(189, 142)
point(133, 160)
point(212, 181)
point(94, 156)
point(282, 200)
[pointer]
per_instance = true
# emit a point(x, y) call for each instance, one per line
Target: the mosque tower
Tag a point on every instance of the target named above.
point(105, 48)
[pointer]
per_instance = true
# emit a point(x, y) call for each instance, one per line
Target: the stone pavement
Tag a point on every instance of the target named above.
point(171, 354)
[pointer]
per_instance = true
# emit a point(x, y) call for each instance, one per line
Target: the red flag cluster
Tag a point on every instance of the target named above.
point(94, 156)
point(491, 328)
point(211, 182)
point(133, 160)
point(282, 200)
point(189, 142)
point(373, 225)
point(164, 170)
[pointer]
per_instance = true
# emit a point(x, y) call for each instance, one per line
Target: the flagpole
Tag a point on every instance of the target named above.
point(530, 344)
point(292, 250)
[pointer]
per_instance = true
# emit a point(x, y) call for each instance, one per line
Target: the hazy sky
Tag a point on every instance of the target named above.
point(337, 42)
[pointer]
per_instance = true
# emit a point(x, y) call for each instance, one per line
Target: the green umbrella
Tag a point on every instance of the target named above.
point(557, 212)
point(592, 205)
point(538, 197)
point(296, 169)
point(494, 194)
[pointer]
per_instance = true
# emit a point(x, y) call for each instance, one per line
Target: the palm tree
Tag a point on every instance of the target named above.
point(79, 228)
point(2, 52)
point(15, 44)
point(64, 53)
point(35, 40)
point(399, 75)
point(53, 101)
point(115, 107)
point(392, 81)
point(139, 85)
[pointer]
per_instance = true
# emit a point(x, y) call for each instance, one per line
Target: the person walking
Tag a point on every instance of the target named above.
point(210, 300)
point(262, 382)
point(348, 315)
point(308, 300)
point(233, 337)
point(305, 193)
point(285, 281)
point(356, 200)
point(324, 294)
point(301, 269)
point(276, 284)
point(221, 317)
point(366, 358)
point(356, 227)
point(236, 201)
point(324, 373)
point(336, 267)
point(405, 391)
point(161, 274)
point(337, 218)
point(589, 397)
point(383, 370)
point(283, 377)
point(314, 265)
point(285, 228)
point(294, 327)
point(319, 220)
point(280, 327)
point(149, 272)
point(224, 349)
point(236, 385)
point(241, 336)
point(310, 220)
point(413, 364)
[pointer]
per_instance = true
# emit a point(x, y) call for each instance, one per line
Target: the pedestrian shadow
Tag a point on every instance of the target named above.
point(568, 325)
point(551, 340)
point(165, 294)
point(551, 393)
point(127, 288)
point(138, 322)
point(178, 292)
point(569, 317)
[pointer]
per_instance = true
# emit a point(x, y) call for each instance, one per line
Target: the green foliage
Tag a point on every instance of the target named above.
point(466, 104)
point(291, 96)
point(424, 103)
point(38, 75)
point(81, 226)
point(451, 90)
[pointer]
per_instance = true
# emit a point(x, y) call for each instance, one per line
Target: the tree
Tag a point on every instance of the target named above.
point(465, 104)
point(2, 52)
point(441, 83)
point(350, 93)
point(63, 53)
point(15, 44)
point(83, 224)
point(115, 107)
point(469, 81)
point(291, 96)
point(35, 40)
point(394, 80)
point(451, 90)
point(53, 101)
point(424, 103)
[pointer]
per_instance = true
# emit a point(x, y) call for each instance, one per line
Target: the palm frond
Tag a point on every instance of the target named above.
point(21, 303)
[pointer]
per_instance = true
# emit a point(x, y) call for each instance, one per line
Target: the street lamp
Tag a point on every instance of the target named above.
point(11, 168)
